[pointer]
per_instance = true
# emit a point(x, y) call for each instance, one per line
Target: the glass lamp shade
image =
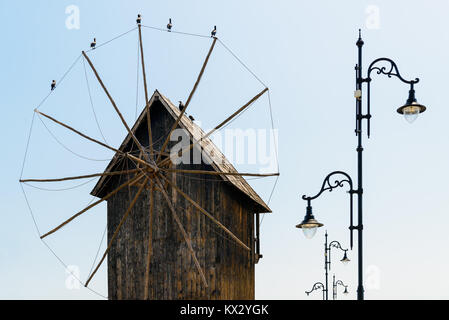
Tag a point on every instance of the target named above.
point(309, 233)
point(309, 225)
point(412, 108)
point(412, 111)
point(345, 259)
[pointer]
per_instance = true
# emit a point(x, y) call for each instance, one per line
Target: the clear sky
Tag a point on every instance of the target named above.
point(305, 53)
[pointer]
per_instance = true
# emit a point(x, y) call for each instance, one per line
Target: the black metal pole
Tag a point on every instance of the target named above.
point(359, 80)
point(326, 262)
point(334, 289)
point(328, 186)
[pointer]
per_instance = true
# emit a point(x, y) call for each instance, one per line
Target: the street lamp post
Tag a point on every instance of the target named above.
point(318, 286)
point(410, 110)
point(335, 285)
point(327, 258)
point(327, 265)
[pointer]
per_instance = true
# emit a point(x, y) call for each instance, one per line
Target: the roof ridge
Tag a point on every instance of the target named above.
point(197, 134)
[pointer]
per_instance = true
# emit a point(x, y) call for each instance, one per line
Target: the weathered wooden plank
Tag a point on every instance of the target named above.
point(228, 269)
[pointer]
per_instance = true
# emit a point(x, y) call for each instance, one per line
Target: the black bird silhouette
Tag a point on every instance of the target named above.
point(180, 106)
point(139, 19)
point(191, 118)
point(169, 25)
point(214, 32)
point(93, 44)
point(53, 85)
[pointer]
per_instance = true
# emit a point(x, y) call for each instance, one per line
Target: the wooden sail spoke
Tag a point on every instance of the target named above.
point(170, 165)
point(190, 147)
point(207, 214)
point(181, 228)
point(165, 154)
point(82, 177)
point(136, 178)
point(138, 164)
point(114, 105)
point(147, 105)
point(150, 241)
point(143, 162)
point(125, 216)
point(217, 173)
point(175, 125)
point(76, 131)
point(128, 155)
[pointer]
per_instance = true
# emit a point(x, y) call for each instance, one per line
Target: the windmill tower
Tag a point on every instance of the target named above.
point(176, 229)
point(227, 266)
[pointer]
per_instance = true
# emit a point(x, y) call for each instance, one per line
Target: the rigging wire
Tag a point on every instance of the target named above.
point(106, 227)
point(177, 32)
point(275, 153)
point(109, 41)
point(71, 273)
point(67, 148)
point(59, 81)
point(98, 250)
point(27, 145)
point(137, 82)
point(272, 128)
point(91, 101)
point(241, 62)
point(50, 249)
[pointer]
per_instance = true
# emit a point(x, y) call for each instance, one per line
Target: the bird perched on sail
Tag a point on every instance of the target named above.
point(93, 44)
point(139, 19)
point(169, 25)
point(214, 32)
point(53, 85)
point(191, 118)
point(181, 106)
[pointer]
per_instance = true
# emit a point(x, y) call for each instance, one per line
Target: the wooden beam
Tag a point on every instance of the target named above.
point(93, 205)
point(125, 216)
point(114, 105)
point(217, 173)
point(150, 241)
point(188, 99)
point(246, 105)
point(181, 228)
point(161, 153)
point(149, 165)
point(81, 177)
point(128, 155)
point(147, 106)
point(140, 184)
point(170, 165)
point(76, 131)
point(207, 214)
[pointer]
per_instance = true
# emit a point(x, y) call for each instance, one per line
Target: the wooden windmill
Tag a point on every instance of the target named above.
point(176, 230)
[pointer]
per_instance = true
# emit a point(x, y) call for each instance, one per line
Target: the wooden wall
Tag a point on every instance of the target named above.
point(229, 268)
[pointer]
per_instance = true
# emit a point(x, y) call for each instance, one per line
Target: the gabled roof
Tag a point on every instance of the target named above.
point(206, 144)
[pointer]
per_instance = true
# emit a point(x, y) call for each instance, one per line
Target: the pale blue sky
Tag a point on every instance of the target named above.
point(305, 52)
